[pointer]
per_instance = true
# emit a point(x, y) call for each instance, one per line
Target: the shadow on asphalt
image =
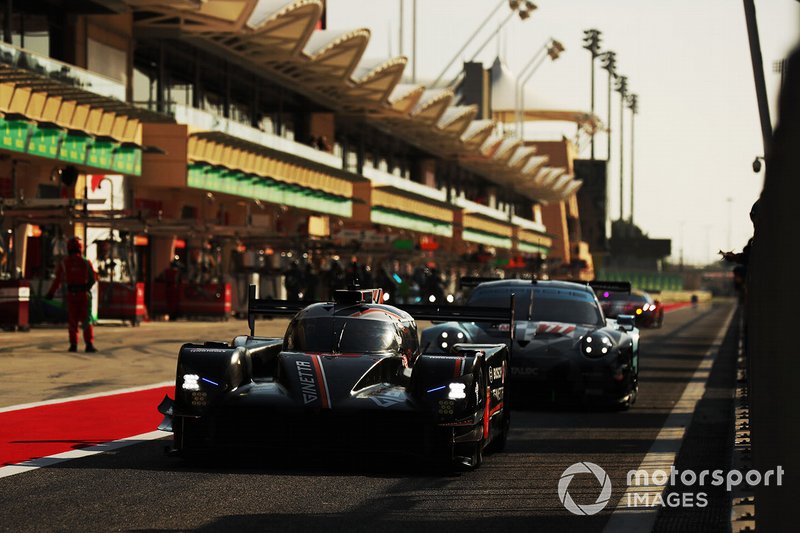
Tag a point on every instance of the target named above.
point(152, 456)
point(469, 520)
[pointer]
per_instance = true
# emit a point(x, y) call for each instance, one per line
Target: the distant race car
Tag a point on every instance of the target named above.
point(348, 375)
point(563, 347)
point(648, 312)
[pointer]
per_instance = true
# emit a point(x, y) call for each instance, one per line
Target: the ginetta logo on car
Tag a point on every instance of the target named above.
point(308, 383)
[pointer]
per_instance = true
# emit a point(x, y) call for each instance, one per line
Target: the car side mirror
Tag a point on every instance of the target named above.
point(626, 322)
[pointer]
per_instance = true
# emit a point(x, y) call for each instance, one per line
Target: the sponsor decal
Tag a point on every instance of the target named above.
point(377, 296)
point(560, 329)
point(525, 370)
point(308, 381)
point(497, 394)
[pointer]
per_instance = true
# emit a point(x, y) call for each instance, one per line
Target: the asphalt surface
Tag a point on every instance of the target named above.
point(139, 488)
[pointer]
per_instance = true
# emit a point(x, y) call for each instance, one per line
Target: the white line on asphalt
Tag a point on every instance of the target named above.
point(665, 447)
point(34, 464)
point(86, 396)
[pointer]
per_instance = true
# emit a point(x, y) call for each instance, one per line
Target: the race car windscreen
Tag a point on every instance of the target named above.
point(341, 335)
point(548, 305)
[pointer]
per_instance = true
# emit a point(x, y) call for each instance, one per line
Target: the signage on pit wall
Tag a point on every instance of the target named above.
point(375, 239)
point(365, 237)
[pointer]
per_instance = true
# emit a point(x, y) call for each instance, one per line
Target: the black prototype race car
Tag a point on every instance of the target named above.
point(347, 375)
point(563, 348)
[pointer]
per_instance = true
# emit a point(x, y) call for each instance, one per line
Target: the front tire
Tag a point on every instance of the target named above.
point(630, 398)
point(477, 455)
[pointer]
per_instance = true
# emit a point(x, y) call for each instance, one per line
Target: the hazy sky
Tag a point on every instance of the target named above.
point(697, 131)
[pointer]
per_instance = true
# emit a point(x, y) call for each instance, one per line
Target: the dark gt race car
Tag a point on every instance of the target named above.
point(563, 347)
point(347, 375)
point(648, 312)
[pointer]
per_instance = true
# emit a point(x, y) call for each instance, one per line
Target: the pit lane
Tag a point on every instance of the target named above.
point(140, 488)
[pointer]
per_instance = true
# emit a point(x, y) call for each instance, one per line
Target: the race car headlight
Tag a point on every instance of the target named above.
point(457, 391)
point(190, 382)
point(596, 345)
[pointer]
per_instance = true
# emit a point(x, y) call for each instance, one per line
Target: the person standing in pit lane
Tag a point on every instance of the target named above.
point(79, 276)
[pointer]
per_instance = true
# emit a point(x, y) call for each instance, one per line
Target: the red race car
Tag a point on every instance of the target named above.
point(649, 312)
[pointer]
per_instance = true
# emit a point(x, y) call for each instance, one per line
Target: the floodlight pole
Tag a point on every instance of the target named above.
point(591, 42)
point(758, 72)
point(414, 40)
point(633, 121)
point(467, 42)
point(519, 99)
point(622, 88)
point(400, 31)
point(610, 65)
point(633, 104)
point(550, 48)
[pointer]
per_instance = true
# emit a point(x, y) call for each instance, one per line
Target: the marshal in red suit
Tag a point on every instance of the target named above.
point(77, 273)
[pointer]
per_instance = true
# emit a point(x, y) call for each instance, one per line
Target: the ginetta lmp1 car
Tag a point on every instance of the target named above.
point(347, 375)
point(563, 348)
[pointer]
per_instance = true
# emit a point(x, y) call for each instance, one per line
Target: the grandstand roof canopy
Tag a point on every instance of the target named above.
point(280, 39)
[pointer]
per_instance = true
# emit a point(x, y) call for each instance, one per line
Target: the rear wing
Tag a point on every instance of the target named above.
point(464, 313)
point(444, 313)
point(460, 313)
point(268, 307)
point(610, 286)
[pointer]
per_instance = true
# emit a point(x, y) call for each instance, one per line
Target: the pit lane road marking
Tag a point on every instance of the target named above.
point(667, 444)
